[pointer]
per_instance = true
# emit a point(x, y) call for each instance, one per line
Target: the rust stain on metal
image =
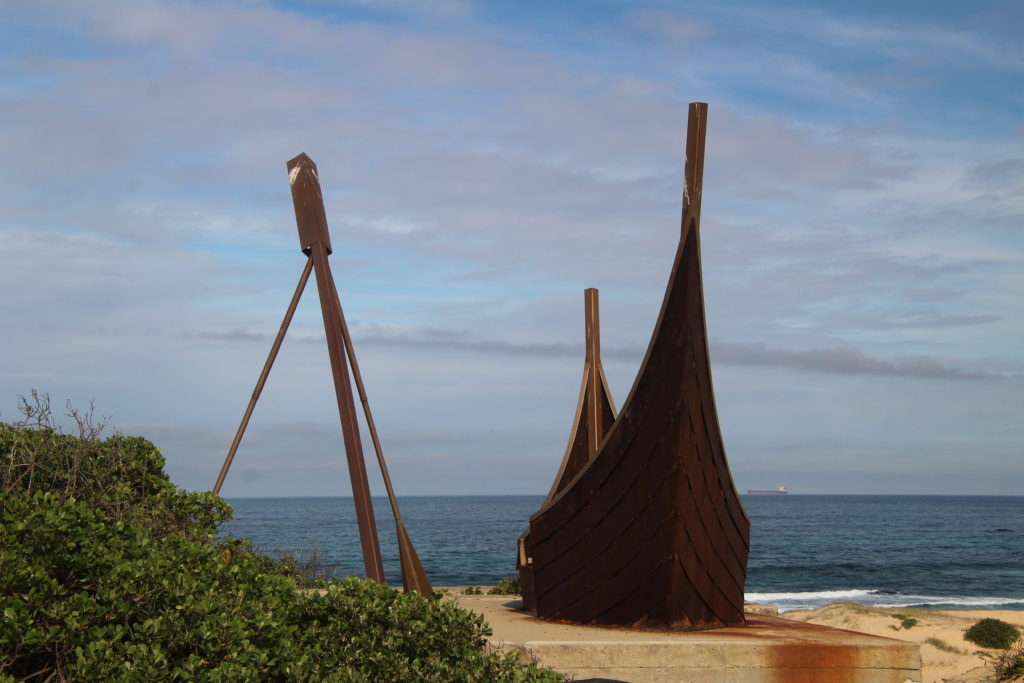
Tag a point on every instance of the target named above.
point(315, 242)
point(650, 530)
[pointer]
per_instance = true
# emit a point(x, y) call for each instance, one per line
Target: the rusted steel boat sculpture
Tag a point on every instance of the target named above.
point(595, 413)
point(650, 531)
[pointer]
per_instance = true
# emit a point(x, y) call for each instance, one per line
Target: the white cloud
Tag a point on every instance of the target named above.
point(477, 177)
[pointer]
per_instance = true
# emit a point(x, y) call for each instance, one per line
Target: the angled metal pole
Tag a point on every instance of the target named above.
point(316, 243)
point(263, 375)
point(414, 577)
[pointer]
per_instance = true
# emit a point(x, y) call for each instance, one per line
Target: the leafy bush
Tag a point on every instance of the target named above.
point(391, 636)
point(992, 633)
point(308, 566)
point(906, 622)
point(122, 476)
point(507, 587)
point(473, 590)
point(110, 572)
point(86, 597)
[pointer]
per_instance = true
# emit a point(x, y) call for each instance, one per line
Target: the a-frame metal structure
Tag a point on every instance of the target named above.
point(315, 242)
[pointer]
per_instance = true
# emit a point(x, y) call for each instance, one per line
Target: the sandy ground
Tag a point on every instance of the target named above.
point(945, 655)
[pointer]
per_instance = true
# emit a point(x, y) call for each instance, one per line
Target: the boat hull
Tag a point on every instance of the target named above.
point(651, 532)
point(595, 413)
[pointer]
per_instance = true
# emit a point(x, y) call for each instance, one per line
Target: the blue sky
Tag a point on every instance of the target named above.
point(482, 164)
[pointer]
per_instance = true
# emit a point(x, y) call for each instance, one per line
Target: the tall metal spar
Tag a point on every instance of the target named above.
point(315, 242)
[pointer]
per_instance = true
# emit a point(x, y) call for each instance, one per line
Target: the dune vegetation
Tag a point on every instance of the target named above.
point(108, 571)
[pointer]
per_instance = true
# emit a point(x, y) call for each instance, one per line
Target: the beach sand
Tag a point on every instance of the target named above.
point(945, 655)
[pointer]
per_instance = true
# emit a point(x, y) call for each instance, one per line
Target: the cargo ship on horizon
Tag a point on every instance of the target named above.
point(781, 491)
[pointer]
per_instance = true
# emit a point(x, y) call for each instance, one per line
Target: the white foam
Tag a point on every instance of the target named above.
point(908, 600)
point(829, 596)
point(800, 600)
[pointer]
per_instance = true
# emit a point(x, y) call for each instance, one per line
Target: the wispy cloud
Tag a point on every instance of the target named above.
point(834, 360)
point(484, 162)
point(888, 35)
point(843, 362)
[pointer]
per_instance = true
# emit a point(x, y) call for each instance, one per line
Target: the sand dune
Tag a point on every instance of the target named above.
point(945, 655)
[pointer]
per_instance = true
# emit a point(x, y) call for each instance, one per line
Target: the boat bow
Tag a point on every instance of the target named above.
point(650, 531)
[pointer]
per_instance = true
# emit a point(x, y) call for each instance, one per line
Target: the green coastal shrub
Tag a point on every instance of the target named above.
point(87, 597)
point(508, 586)
point(123, 476)
point(90, 598)
point(906, 622)
point(108, 572)
point(994, 634)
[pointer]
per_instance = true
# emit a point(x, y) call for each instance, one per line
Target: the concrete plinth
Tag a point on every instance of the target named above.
point(766, 650)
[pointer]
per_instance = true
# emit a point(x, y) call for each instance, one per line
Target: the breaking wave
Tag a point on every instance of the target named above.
point(788, 602)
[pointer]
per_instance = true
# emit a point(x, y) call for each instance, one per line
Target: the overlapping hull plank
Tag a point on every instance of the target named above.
point(595, 413)
point(651, 530)
point(579, 450)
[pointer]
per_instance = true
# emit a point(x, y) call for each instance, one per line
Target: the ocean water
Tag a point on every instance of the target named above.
point(962, 552)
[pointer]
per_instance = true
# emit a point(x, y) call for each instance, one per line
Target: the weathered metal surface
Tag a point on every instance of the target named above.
point(414, 578)
point(651, 531)
point(310, 215)
point(315, 242)
point(347, 413)
point(595, 410)
point(595, 413)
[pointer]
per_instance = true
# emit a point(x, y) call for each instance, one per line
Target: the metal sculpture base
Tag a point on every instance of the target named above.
point(763, 650)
